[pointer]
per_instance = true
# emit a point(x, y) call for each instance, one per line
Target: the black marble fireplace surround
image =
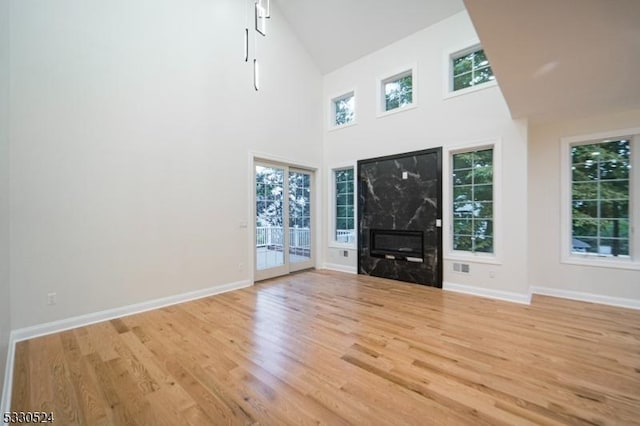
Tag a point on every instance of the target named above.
point(399, 202)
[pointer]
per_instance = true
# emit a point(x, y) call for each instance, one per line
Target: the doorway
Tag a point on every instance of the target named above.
point(284, 231)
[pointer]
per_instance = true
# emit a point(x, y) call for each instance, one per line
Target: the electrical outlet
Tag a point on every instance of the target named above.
point(345, 253)
point(52, 298)
point(240, 266)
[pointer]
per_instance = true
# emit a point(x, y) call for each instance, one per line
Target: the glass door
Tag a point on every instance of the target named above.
point(284, 237)
point(300, 236)
point(270, 220)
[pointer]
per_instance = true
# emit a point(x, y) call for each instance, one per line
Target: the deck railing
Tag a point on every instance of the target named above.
point(274, 236)
point(345, 235)
point(298, 237)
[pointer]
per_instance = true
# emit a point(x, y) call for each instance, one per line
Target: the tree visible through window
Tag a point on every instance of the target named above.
point(471, 69)
point(473, 201)
point(398, 91)
point(600, 198)
point(344, 109)
point(345, 222)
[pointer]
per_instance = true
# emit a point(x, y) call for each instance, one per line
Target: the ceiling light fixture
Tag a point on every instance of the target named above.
point(256, 75)
point(261, 11)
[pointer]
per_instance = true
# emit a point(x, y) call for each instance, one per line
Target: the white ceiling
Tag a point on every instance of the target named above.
point(552, 59)
point(558, 59)
point(336, 32)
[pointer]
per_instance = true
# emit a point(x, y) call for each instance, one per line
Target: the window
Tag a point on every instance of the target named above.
point(599, 206)
point(398, 92)
point(470, 68)
point(343, 110)
point(344, 206)
point(600, 198)
point(472, 210)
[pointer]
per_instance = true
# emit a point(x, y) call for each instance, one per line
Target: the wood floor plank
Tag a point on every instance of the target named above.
point(331, 348)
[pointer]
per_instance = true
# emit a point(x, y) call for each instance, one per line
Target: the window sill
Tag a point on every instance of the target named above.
point(449, 94)
point(342, 126)
point(600, 262)
point(382, 114)
point(474, 258)
point(342, 246)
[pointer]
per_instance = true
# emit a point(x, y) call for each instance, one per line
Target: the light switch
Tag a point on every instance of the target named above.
point(438, 223)
point(405, 175)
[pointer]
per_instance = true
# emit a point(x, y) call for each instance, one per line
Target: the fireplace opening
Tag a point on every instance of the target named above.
point(397, 245)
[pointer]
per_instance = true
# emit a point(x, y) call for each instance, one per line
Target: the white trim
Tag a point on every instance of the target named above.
point(600, 262)
point(566, 255)
point(447, 74)
point(447, 191)
point(396, 73)
point(343, 246)
point(340, 268)
point(587, 297)
point(95, 317)
point(109, 314)
point(471, 258)
point(332, 110)
point(508, 296)
point(471, 89)
point(256, 157)
point(596, 137)
point(7, 386)
point(343, 126)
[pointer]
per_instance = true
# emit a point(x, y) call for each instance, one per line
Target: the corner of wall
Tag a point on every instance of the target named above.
point(5, 291)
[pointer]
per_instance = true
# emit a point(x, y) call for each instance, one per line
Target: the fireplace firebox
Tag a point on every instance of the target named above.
point(397, 244)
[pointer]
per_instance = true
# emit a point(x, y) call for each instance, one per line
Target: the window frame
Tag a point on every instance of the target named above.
point(567, 256)
point(469, 256)
point(454, 53)
point(395, 75)
point(332, 109)
point(333, 243)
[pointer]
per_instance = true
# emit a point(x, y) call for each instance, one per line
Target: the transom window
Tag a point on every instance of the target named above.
point(600, 188)
point(344, 206)
point(472, 220)
point(343, 109)
point(470, 68)
point(398, 91)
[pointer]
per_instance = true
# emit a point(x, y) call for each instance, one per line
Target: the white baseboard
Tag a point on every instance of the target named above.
point(508, 296)
point(340, 268)
point(7, 386)
point(92, 318)
point(587, 297)
point(109, 314)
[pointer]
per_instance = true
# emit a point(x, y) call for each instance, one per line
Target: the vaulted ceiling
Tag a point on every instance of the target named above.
point(336, 32)
point(555, 59)
point(552, 59)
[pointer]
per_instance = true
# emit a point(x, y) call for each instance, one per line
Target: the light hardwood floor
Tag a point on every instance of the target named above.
point(332, 348)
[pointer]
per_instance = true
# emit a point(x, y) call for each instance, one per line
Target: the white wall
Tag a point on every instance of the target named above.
point(5, 318)
point(131, 128)
point(478, 116)
point(544, 212)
